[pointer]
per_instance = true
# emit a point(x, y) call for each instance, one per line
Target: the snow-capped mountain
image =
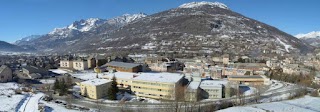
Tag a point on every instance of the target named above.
point(77, 27)
point(200, 27)
point(312, 38)
point(126, 18)
point(199, 4)
point(79, 31)
point(190, 29)
point(91, 23)
point(313, 34)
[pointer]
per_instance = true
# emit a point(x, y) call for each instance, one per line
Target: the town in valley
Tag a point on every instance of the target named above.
point(196, 57)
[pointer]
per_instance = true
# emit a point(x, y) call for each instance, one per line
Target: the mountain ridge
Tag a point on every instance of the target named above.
point(191, 28)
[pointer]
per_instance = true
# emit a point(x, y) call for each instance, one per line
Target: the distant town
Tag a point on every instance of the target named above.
point(100, 81)
point(196, 57)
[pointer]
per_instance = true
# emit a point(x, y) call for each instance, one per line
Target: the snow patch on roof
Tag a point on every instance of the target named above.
point(96, 82)
point(159, 77)
point(199, 4)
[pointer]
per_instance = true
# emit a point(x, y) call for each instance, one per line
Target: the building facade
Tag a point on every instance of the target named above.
point(95, 89)
point(66, 64)
point(124, 67)
point(5, 74)
point(213, 89)
point(80, 65)
point(165, 86)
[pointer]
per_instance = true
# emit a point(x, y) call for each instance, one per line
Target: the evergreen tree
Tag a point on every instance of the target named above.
point(63, 88)
point(56, 85)
point(69, 81)
point(113, 90)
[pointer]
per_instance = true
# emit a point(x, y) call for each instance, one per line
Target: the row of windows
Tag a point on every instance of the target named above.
point(164, 96)
point(214, 96)
point(154, 84)
point(211, 90)
point(153, 89)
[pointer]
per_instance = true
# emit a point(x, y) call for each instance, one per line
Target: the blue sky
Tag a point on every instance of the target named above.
point(20, 18)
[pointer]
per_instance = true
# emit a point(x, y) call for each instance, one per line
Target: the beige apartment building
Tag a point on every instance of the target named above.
point(95, 89)
point(123, 78)
point(158, 85)
point(66, 64)
point(80, 65)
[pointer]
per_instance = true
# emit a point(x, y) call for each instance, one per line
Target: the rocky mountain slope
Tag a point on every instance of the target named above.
point(312, 38)
point(77, 32)
point(192, 28)
point(5, 46)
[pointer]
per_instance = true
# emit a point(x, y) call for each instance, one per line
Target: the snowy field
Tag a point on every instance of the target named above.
point(275, 85)
point(305, 104)
point(9, 100)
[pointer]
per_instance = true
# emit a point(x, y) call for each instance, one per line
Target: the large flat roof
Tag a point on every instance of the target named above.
point(121, 64)
point(96, 82)
point(159, 77)
point(122, 75)
point(193, 85)
point(245, 76)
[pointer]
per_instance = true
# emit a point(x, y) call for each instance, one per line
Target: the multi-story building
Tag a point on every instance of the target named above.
point(5, 74)
point(161, 64)
point(96, 60)
point(158, 85)
point(124, 67)
point(95, 89)
point(213, 89)
point(80, 64)
point(123, 78)
point(249, 79)
point(66, 64)
point(193, 91)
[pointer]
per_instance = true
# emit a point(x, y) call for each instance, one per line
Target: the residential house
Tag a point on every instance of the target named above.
point(161, 64)
point(32, 72)
point(124, 67)
point(96, 60)
point(80, 64)
point(5, 74)
point(66, 64)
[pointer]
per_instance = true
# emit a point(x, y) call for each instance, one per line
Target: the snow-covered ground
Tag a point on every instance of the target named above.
point(86, 75)
point(305, 104)
point(275, 85)
point(285, 45)
point(47, 81)
point(9, 101)
point(53, 107)
point(250, 91)
point(31, 104)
